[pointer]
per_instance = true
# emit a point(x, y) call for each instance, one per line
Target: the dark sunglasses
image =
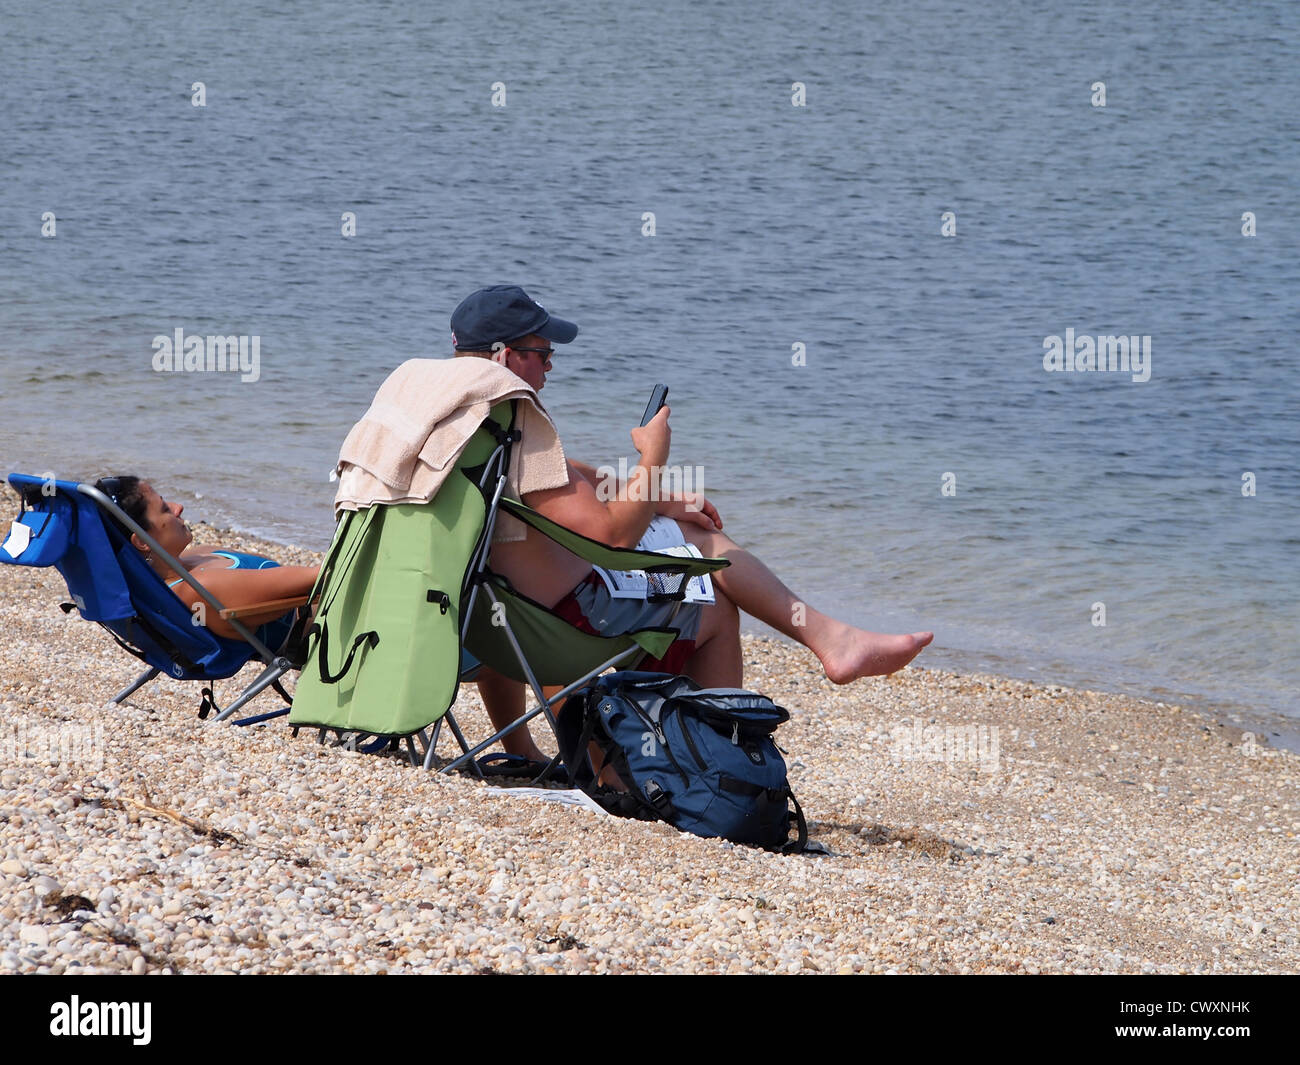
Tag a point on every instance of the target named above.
point(111, 487)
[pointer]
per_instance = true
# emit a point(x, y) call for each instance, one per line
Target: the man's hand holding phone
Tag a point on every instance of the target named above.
point(658, 397)
point(653, 440)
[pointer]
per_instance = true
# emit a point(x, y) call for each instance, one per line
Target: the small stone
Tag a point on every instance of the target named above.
point(13, 867)
point(35, 934)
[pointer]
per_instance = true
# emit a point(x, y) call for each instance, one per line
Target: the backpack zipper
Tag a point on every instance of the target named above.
point(663, 742)
point(695, 751)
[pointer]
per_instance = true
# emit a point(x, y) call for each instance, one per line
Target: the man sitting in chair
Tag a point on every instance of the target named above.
point(505, 325)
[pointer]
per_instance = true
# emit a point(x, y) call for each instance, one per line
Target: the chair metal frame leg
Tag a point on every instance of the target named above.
point(543, 708)
point(273, 672)
point(412, 753)
point(432, 749)
point(545, 704)
point(135, 685)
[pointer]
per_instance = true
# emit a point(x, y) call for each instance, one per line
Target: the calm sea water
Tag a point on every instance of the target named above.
point(775, 226)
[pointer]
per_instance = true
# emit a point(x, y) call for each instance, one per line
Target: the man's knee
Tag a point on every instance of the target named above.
point(721, 616)
point(712, 544)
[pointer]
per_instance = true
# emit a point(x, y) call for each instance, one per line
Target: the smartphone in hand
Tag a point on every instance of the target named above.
point(658, 398)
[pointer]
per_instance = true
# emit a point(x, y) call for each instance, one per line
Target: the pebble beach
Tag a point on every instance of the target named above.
point(969, 823)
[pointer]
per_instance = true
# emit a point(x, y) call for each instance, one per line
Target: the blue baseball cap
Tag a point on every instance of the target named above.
point(504, 313)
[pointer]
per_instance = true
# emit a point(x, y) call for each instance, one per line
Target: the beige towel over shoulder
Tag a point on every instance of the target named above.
point(421, 419)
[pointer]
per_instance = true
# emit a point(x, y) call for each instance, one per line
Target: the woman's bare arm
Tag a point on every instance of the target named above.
point(244, 587)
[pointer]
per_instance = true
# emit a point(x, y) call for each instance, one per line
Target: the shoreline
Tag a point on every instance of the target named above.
point(1281, 730)
point(975, 824)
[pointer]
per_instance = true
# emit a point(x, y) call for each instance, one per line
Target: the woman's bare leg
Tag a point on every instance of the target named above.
point(845, 652)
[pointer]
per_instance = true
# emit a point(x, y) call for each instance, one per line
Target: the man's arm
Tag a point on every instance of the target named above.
point(621, 521)
point(684, 506)
point(589, 472)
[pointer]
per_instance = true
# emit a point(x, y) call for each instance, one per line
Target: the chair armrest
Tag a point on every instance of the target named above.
point(261, 608)
point(599, 554)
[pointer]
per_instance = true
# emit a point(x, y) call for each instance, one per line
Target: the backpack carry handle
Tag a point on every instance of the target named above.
point(370, 639)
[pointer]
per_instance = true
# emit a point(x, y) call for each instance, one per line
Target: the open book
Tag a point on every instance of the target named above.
point(662, 536)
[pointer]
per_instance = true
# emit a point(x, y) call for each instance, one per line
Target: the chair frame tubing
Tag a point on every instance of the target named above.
point(478, 570)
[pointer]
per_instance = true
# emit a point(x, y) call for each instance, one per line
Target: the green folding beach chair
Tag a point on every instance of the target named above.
point(407, 598)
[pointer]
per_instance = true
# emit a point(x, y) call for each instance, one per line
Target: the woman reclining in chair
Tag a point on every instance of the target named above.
point(235, 578)
point(240, 580)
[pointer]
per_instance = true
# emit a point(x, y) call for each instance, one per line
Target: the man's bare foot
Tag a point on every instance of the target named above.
point(523, 746)
point(852, 653)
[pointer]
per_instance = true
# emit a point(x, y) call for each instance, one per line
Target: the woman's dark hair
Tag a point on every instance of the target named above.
point(126, 493)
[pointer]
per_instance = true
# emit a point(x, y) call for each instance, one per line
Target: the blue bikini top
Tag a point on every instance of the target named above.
point(239, 560)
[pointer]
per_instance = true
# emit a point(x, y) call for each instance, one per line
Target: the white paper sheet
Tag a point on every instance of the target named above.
point(565, 796)
point(18, 539)
point(662, 536)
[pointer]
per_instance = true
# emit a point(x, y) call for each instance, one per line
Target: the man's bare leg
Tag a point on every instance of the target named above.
point(504, 699)
point(717, 661)
point(845, 652)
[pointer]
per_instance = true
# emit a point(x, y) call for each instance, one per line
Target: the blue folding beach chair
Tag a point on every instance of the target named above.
point(64, 524)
